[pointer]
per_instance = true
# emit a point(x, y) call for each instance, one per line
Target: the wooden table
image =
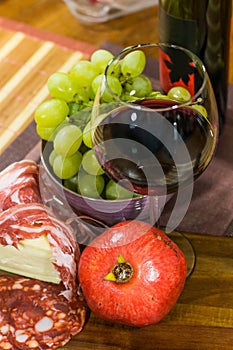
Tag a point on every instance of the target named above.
point(202, 319)
point(54, 16)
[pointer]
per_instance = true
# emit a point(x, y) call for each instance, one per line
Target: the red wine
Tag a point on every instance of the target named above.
point(156, 152)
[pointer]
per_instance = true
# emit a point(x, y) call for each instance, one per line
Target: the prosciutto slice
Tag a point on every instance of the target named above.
point(19, 183)
point(32, 220)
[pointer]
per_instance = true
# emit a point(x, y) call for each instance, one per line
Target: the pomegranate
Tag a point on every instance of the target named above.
point(132, 274)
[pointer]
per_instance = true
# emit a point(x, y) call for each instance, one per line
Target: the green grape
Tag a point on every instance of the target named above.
point(114, 69)
point(113, 84)
point(137, 195)
point(45, 133)
point(115, 191)
point(52, 156)
point(139, 86)
point(125, 96)
point(90, 91)
point(179, 93)
point(133, 63)
point(100, 58)
point(83, 94)
point(61, 126)
point(96, 83)
point(90, 185)
point(158, 95)
point(81, 101)
point(66, 167)
point(200, 109)
point(115, 87)
point(84, 72)
point(62, 85)
point(91, 164)
point(67, 140)
point(71, 183)
point(51, 113)
point(87, 138)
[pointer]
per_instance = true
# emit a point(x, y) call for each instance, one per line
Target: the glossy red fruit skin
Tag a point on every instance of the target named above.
point(158, 279)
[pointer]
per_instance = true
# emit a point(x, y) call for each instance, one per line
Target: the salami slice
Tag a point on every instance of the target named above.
point(34, 314)
point(30, 221)
point(19, 183)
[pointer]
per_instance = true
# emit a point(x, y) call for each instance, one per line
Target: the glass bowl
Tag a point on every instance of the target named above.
point(71, 204)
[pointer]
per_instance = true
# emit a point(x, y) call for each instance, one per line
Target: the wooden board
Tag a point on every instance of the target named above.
point(27, 58)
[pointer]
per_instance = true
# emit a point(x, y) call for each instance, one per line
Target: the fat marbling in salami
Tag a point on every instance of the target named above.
point(34, 314)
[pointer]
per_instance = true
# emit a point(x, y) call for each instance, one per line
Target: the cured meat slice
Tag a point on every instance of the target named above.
point(23, 223)
point(34, 315)
point(19, 183)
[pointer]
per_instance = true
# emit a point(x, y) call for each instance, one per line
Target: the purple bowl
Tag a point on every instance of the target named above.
point(104, 211)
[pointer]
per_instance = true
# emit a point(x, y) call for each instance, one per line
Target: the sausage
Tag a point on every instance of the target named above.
point(19, 183)
point(34, 314)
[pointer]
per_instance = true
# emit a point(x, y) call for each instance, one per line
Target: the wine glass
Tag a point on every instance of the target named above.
point(155, 126)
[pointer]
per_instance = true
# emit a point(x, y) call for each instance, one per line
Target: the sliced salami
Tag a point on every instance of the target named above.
point(34, 314)
point(19, 183)
point(30, 221)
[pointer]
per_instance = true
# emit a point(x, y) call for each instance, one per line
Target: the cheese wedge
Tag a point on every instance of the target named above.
point(32, 258)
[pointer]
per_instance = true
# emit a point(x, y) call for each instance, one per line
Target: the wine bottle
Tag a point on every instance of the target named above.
point(202, 26)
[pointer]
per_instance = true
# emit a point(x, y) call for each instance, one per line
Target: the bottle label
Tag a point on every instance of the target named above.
point(181, 32)
point(177, 30)
point(183, 75)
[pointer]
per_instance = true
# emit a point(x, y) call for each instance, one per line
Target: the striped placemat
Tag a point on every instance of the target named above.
point(28, 56)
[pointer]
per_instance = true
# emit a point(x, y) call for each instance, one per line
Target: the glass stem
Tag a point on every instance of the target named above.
point(154, 211)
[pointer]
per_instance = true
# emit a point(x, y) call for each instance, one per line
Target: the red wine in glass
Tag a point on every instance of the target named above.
point(127, 143)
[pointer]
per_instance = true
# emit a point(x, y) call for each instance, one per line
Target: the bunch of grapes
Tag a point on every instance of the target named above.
point(64, 120)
